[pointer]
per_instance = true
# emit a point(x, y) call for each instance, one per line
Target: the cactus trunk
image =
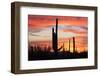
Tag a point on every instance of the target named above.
point(55, 37)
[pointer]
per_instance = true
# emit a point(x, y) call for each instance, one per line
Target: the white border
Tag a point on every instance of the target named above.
point(25, 64)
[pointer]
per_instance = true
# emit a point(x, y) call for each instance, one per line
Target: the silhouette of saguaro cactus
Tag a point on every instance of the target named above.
point(63, 47)
point(73, 44)
point(55, 38)
point(69, 45)
point(76, 49)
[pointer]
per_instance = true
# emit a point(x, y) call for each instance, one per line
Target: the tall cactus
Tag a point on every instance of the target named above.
point(73, 44)
point(69, 45)
point(55, 38)
point(63, 47)
point(56, 34)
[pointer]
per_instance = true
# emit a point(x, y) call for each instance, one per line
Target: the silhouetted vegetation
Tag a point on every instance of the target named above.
point(44, 53)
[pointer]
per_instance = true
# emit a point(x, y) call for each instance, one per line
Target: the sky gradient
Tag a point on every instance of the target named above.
point(40, 31)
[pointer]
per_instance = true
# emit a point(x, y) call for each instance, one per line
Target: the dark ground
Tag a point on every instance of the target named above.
point(36, 53)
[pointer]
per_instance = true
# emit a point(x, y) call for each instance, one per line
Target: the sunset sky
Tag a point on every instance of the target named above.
point(40, 30)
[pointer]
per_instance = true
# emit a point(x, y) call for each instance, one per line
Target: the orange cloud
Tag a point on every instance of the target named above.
point(75, 31)
point(44, 21)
